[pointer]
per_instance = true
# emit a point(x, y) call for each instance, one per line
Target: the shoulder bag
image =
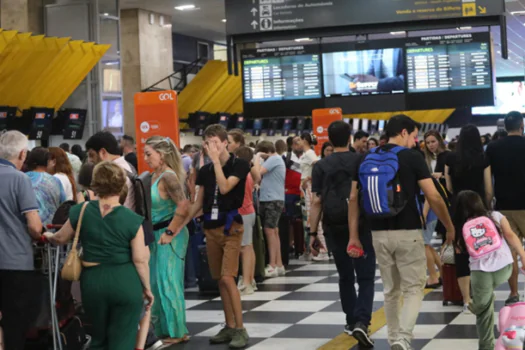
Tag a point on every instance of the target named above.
point(73, 264)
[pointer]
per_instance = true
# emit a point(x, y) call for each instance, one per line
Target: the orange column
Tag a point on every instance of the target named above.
point(321, 119)
point(156, 114)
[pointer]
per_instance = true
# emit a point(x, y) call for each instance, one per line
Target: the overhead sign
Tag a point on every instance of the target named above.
point(256, 16)
point(74, 124)
point(156, 114)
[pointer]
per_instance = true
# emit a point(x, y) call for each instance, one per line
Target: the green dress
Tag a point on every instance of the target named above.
point(167, 271)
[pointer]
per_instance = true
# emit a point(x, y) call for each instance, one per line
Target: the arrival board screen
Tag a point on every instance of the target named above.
point(281, 74)
point(449, 63)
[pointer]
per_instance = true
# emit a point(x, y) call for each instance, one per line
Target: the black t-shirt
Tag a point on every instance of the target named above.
point(232, 200)
point(412, 168)
point(471, 179)
point(348, 160)
point(506, 157)
point(131, 158)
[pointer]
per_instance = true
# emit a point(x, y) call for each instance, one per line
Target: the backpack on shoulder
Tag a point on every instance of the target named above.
point(335, 195)
point(481, 237)
point(381, 192)
point(142, 195)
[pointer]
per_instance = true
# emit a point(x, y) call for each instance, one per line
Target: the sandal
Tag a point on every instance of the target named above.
point(172, 341)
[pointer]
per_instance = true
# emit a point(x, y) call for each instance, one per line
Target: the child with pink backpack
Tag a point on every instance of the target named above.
point(486, 236)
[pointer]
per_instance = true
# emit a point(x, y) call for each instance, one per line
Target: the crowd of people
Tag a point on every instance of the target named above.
point(351, 211)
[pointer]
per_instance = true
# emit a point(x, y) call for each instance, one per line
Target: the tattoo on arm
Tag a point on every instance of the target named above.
point(173, 187)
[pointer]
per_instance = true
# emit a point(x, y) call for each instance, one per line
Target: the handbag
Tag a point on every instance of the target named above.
point(447, 255)
point(73, 264)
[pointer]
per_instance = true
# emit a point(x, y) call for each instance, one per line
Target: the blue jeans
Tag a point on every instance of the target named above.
point(357, 307)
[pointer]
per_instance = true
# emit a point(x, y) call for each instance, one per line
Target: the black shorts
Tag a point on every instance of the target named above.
point(462, 265)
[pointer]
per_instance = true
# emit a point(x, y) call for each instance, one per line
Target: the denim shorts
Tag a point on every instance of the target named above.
point(429, 232)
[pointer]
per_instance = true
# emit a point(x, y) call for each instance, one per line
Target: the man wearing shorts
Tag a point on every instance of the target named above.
point(506, 157)
point(221, 193)
point(273, 173)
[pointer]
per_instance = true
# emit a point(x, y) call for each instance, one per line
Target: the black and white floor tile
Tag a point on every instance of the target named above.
point(302, 311)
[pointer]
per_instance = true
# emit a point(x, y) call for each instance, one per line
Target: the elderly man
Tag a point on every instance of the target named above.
point(19, 225)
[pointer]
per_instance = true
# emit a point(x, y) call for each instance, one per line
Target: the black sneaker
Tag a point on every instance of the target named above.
point(360, 333)
point(349, 328)
point(512, 300)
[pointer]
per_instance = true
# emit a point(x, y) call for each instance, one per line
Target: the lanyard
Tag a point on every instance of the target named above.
point(216, 196)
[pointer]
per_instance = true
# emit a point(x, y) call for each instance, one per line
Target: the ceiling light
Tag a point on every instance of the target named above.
point(106, 14)
point(517, 13)
point(185, 7)
point(302, 40)
point(402, 32)
point(464, 28)
point(499, 52)
point(224, 20)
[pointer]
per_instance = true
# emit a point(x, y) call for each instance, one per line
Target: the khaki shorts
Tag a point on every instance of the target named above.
point(516, 220)
point(223, 250)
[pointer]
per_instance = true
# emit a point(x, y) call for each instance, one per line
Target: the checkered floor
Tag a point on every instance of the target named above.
point(302, 311)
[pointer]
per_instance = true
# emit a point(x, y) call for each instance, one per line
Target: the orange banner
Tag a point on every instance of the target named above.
point(321, 119)
point(156, 114)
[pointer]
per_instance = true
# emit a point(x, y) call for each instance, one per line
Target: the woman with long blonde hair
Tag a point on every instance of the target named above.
point(169, 208)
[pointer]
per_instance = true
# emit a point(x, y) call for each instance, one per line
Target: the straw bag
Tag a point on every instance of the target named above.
point(447, 255)
point(73, 265)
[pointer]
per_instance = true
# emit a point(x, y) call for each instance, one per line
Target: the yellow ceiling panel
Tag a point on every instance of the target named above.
point(6, 36)
point(426, 116)
point(8, 57)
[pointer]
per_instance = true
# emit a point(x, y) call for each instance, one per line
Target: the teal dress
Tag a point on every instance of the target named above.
point(167, 272)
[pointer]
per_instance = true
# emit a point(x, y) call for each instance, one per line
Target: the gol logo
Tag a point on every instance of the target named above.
point(166, 97)
point(144, 127)
point(334, 111)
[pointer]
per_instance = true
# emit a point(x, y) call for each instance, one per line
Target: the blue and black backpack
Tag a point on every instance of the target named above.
point(381, 192)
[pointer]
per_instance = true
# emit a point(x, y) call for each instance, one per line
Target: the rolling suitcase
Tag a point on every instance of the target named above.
point(451, 291)
point(259, 247)
point(206, 283)
point(284, 237)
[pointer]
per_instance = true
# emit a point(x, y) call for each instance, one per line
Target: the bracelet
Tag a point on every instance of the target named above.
point(312, 234)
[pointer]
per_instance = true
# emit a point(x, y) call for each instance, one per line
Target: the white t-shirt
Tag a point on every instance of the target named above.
point(307, 161)
point(496, 260)
point(66, 184)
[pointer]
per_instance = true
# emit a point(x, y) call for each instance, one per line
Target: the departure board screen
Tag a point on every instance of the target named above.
point(448, 63)
point(281, 74)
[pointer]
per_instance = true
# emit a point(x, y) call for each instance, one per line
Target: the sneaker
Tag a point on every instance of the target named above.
point(401, 345)
point(512, 300)
point(254, 285)
point(349, 329)
point(240, 284)
point(281, 270)
point(225, 335)
point(466, 309)
point(247, 290)
point(240, 339)
point(360, 333)
point(321, 257)
point(270, 272)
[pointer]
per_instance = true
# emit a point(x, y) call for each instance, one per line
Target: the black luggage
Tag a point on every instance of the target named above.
point(207, 284)
point(284, 236)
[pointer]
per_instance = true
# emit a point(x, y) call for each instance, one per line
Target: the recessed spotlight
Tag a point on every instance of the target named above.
point(106, 14)
point(224, 20)
point(401, 32)
point(185, 7)
point(302, 40)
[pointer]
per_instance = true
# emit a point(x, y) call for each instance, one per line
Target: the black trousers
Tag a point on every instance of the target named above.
point(19, 304)
point(357, 306)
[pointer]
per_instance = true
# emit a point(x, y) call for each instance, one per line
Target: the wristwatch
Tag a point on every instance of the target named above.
point(169, 232)
point(313, 234)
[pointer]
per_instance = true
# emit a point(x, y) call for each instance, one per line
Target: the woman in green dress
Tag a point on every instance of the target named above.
point(169, 208)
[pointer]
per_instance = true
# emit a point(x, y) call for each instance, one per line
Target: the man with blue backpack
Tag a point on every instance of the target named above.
point(332, 179)
point(390, 179)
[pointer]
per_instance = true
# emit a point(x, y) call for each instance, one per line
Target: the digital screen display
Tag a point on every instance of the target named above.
point(366, 72)
point(74, 125)
point(280, 74)
point(510, 96)
point(449, 67)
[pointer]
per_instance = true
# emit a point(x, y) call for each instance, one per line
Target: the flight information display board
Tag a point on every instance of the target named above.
point(449, 63)
point(280, 74)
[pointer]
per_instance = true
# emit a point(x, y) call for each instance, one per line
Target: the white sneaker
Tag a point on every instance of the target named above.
point(270, 272)
point(254, 285)
point(240, 284)
point(321, 257)
point(466, 310)
point(281, 270)
point(248, 290)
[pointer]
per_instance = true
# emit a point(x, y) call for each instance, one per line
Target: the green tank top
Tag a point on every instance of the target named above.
point(106, 240)
point(161, 209)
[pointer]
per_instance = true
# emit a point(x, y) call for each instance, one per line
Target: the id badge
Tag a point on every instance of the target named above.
point(215, 213)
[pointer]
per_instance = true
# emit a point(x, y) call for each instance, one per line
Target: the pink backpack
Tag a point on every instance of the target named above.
point(481, 237)
point(511, 327)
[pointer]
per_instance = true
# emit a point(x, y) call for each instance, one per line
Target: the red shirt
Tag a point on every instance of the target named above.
point(247, 205)
point(292, 182)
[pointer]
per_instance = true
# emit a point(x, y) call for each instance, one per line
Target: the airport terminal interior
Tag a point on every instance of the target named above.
point(276, 75)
